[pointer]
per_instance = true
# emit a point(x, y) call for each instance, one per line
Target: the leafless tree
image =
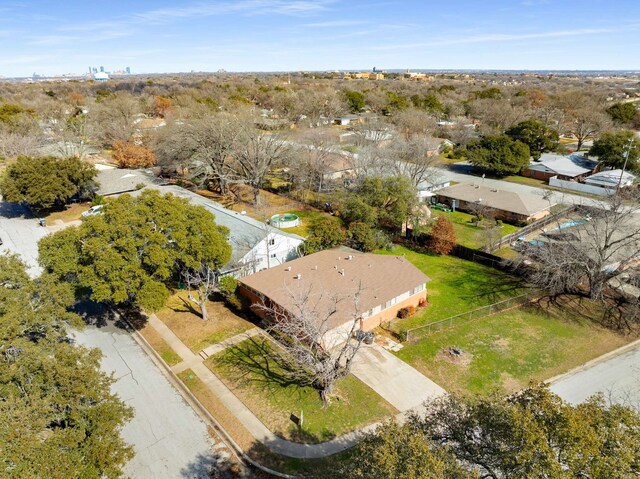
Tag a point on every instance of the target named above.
point(594, 253)
point(201, 283)
point(113, 118)
point(319, 356)
point(413, 158)
point(14, 144)
point(584, 115)
point(255, 155)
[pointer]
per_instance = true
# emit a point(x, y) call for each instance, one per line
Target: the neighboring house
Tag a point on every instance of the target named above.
point(115, 181)
point(504, 205)
point(348, 120)
point(426, 189)
point(332, 278)
point(610, 179)
point(101, 76)
point(568, 168)
point(256, 245)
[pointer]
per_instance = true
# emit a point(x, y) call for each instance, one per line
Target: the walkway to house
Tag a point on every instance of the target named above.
point(409, 384)
point(404, 387)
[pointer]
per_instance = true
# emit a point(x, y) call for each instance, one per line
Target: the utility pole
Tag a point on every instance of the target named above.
point(627, 150)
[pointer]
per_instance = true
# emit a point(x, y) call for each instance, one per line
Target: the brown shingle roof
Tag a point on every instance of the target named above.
point(381, 278)
point(520, 203)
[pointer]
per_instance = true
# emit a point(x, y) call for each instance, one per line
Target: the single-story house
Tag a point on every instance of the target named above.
point(568, 168)
point(115, 181)
point(255, 245)
point(331, 279)
point(348, 119)
point(426, 189)
point(610, 179)
point(504, 205)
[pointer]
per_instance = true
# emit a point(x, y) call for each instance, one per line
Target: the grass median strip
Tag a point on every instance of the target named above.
point(168, 355)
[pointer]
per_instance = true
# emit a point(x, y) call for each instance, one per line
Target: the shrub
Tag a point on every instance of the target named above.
point(97, 200)
point(130, 155)
point(227, 286)
point(406, 312)
point(422, 302)
point(442, 238)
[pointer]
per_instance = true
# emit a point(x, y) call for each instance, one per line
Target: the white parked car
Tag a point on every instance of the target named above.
point(94, 210)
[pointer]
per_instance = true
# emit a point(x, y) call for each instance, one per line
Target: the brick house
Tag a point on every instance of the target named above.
point(386, 284)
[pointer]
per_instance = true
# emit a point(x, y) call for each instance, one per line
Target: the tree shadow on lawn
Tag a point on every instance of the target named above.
point(258, 363)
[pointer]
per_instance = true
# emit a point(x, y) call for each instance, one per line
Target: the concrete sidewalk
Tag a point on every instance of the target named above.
point(400, 384)
point(250, 421)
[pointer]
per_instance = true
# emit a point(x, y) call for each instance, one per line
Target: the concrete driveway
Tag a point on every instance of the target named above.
point(20, 233)
point(401, 385)
point(617, 377)
point(169, 439)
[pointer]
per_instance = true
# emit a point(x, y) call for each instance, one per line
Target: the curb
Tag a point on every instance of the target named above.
point(197, 406)
point(593, 362)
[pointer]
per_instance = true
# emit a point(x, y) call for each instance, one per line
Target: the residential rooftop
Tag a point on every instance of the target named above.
point(332, 278)
point(519, 203)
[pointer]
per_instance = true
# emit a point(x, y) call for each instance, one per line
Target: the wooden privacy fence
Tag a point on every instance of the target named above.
point(427, 329)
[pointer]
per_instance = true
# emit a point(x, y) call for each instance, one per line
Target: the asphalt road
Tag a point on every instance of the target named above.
point(20, 234)
point(618, 378)
point(169, 439)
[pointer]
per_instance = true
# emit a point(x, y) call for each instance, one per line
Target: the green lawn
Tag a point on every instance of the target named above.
point(505, 351)
point(251, 372)
point(470, 235)
point(305, 218)
point(523, 180)
point(456, 286)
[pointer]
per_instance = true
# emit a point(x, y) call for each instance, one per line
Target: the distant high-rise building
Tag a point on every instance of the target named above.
point(95, 70)
point(128, 69)
point(90, 70)
point(102, 69)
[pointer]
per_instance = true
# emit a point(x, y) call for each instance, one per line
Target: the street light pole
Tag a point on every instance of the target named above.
point(626, 159)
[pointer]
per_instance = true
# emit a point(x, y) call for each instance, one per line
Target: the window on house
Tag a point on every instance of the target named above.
point(390, 303)
point(417, 289)
point(272, 242)
point(272, 255)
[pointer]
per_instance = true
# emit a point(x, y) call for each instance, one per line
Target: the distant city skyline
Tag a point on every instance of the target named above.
point(160, 36)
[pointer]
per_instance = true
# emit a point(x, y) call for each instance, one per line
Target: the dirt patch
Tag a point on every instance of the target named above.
point(501, 344)
point(455, 355)
point(509, 383)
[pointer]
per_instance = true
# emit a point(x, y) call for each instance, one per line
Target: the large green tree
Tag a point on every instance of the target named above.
point(499, 155)
point(400, 452)
point(612, 146)
point(46, 182)
point(355, 100)
point(536, 136)
point(531, 434)
point(58, 417)
point(392, 199)
point(324, 233)
point(623, 113)
point(535, 434)
point(136, 248)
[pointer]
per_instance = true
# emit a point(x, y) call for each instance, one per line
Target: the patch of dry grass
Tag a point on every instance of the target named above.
point(70, 213)
point(160, 345)
point(183, 318)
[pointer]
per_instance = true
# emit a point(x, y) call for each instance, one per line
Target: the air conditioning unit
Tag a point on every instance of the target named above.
point(297, 276)
point(288, 268)
point(350, 257)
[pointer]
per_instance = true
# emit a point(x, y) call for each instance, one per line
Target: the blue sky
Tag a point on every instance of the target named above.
point(60, 36)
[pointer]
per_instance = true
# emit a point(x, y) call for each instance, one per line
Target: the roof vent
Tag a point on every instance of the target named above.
point(350, 257)
point(315, 268)
point(297, 276)
point(495, 190)
point(342, 272)
point(339, 258)
point(476, 186)
point(243, 212)
point(288, 268)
